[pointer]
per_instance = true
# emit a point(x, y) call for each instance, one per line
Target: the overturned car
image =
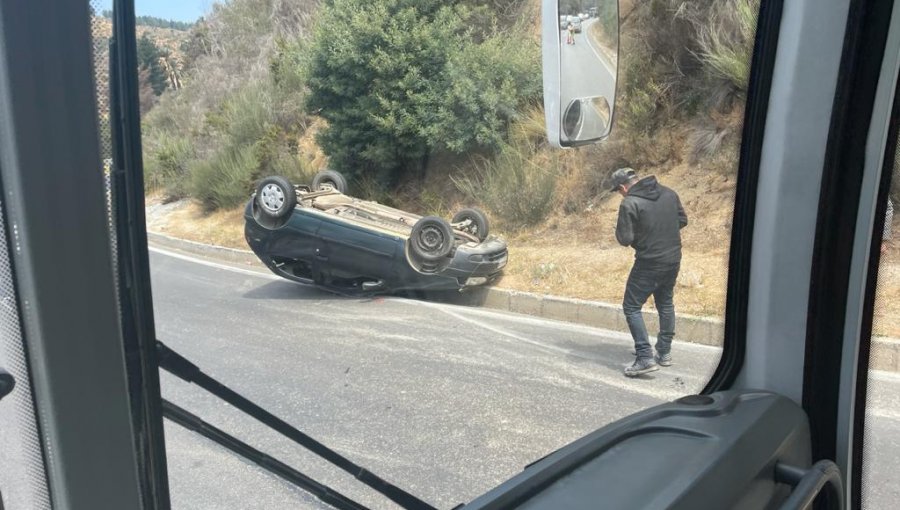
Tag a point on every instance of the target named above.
point(319, 235)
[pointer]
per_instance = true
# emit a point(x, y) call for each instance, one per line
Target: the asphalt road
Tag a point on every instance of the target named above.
point(445, 401)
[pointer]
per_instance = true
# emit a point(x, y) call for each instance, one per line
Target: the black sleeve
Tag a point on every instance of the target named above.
point(682, 216)
point(625, 224)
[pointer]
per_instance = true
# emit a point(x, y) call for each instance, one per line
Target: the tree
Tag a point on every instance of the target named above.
point(153, 21)
point(146, 96)
point(398, 79)
point(149, 56)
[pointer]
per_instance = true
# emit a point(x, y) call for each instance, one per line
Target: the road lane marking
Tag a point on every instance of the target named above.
point(216, 265)
point(599, 56)
point(556, 324)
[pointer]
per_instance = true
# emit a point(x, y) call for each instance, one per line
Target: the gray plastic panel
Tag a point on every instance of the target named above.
point(64, 278)
point(700, 452)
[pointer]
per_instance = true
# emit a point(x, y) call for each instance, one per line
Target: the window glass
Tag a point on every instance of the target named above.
point(882, 426)
point(357, 221)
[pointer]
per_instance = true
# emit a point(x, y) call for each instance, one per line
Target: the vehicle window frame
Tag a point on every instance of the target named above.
point(740, 251)
point(868, 25)
point(869, 299)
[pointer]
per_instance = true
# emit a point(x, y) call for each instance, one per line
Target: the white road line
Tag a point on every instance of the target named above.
point(608, 378)
point(550, 323)
point(188, 258)
point(541, 345)
point(587, 38)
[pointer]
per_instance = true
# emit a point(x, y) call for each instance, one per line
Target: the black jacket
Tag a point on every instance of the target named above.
point(650, 220)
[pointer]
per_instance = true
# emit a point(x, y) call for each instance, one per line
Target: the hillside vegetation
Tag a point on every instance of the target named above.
point(435, 104)
point(397, 90)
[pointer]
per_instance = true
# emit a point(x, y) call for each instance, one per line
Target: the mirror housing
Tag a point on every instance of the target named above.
point(580, 47)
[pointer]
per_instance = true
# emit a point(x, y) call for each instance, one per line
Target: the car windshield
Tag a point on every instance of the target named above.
point(358, 221)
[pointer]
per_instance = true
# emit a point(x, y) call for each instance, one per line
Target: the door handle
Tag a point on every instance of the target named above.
point(808, 483)
point(320, 255)
point(7, 383)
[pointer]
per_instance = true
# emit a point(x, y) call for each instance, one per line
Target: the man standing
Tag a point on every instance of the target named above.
point(650, 221)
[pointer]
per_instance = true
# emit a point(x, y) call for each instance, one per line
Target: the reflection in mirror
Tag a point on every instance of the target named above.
point(588, 62)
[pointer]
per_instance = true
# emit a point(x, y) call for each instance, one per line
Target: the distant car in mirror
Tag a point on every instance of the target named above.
point(575, 21)
point(580, 74)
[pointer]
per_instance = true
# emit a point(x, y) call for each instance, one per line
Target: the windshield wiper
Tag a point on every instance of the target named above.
point(180, 367)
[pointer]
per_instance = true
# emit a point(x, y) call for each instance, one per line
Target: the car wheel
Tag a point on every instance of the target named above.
point(478, 222)
point(331, 178)
point(431, 239)
point(275, 197)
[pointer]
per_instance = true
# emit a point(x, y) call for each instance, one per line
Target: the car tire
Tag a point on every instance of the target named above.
point(335, 179)
point(275, 197)
point(431, 239)
point(479, 226)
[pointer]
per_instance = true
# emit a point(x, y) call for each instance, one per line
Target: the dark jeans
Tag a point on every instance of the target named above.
point(643, 281)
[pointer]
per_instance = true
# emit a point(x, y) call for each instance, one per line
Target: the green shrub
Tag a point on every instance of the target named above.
point(289, 165)
point(246, 116)
point(513, 186)
point(224, 181)
point(165, 170)
point(726, 41)
point(368, 187)
point(398, 79)
point(231, 111)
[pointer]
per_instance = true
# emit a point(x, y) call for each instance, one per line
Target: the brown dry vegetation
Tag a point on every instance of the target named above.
point(165, 38)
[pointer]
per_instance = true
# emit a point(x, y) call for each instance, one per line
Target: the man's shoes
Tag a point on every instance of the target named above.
point(641, 366)
point(664, 360)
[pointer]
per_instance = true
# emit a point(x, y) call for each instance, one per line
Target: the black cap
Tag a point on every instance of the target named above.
point(620, 177)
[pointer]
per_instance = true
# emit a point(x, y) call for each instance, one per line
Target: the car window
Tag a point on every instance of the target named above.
point(882, 422)
point(356, 221)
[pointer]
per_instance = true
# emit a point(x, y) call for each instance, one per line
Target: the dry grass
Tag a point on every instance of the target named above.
point(887, 301)
point(187, 220)
point(310, 152)
point(577, 255)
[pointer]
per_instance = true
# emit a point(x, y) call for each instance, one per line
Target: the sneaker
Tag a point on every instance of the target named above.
point(664, 360)
point(641, 366)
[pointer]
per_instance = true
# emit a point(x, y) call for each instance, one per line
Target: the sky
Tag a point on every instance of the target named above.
point(178, 10)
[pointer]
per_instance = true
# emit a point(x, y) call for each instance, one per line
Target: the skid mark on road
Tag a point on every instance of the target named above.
point(678, 381)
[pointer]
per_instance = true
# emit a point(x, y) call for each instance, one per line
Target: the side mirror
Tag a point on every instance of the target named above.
point(580, 59)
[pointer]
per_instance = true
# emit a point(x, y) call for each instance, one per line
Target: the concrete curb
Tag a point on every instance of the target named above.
point(246, 257)
point(699, 330)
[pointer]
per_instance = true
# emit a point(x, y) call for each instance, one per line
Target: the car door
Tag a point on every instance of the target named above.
point(353, 251)
point(299, 244)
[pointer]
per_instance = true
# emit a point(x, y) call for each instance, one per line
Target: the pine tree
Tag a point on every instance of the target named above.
point(149, 56)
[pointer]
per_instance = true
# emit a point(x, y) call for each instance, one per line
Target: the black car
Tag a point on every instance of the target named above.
point(319, 235)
